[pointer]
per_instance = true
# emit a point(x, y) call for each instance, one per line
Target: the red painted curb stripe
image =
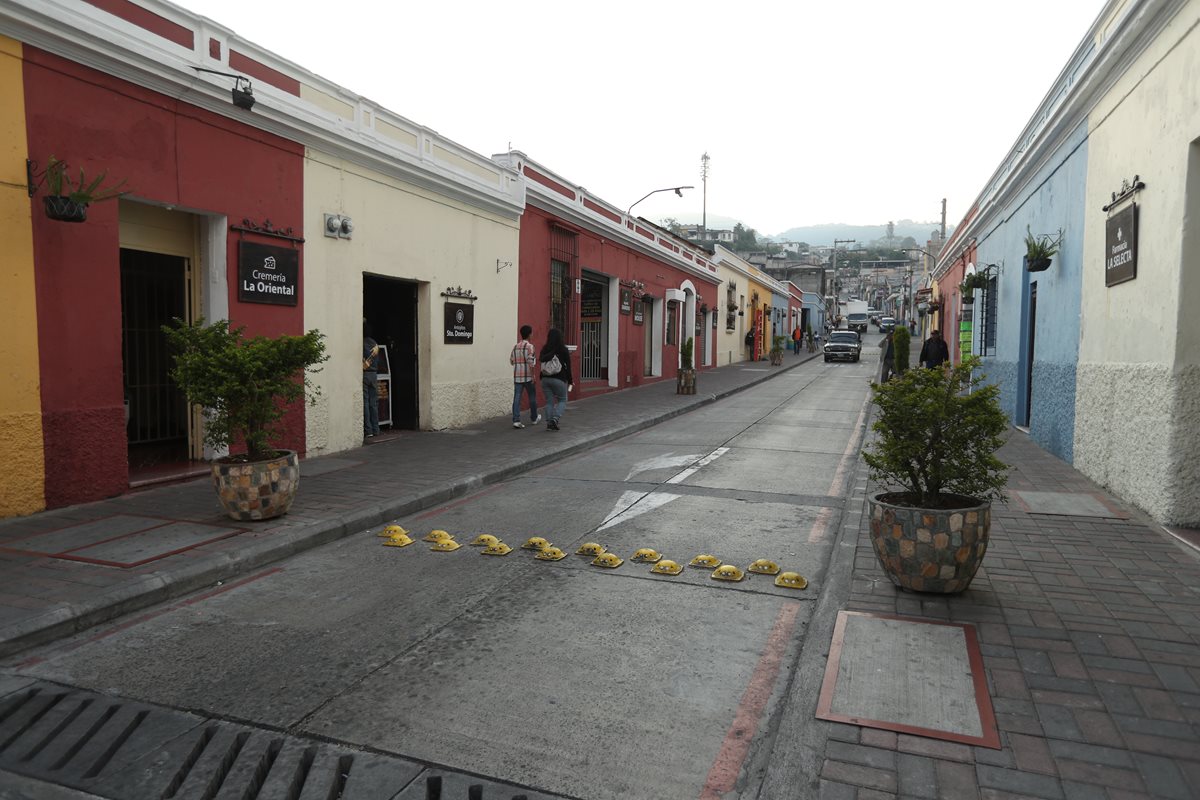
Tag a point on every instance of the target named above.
point(728, 764)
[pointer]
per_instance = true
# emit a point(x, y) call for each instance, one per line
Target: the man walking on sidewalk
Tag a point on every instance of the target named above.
point(524, 359)
point(934, 352)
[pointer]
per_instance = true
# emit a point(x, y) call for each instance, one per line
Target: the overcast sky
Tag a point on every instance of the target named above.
point(855, 111)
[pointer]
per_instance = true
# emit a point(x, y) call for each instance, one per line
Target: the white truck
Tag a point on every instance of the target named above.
point(856, 315)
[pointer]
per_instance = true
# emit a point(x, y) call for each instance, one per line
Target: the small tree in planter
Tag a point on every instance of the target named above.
point(777, 345)
point(244, 386)
point(900, 349)
point(685, 382)
point(937, 434)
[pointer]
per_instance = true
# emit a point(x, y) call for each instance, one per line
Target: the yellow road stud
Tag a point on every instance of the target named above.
point(535, 543)
point(446, 546)
point(391, 530)
point(551, 554)
point(397, 540)
point(667, 567)
point(765, 567)
point(437, 536)
point(791, 580)
point(590, 549)
point(646, 555)
point(484, 540)
point(705, 561)
point(607, 560)
point(727, 572)
point(497, 549)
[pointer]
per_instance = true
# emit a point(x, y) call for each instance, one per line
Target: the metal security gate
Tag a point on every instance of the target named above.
point(591, 350)
point(592, 307)
point(154, 291)
point(700, 346)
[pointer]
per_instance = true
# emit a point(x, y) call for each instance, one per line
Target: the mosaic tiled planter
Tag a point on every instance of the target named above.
point(257, 489)
point(930, 550)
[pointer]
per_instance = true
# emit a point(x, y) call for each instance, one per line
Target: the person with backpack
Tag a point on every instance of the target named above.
point(555, 361)
point(524, 361)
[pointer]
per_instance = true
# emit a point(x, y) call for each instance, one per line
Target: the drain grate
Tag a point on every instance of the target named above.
point(124, 750)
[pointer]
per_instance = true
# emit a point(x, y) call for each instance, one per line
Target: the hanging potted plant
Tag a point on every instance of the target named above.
point(67, 200)
point(685, 381)
point(1039, 250)
point(976, 280)
point(244, 386)
point(937, 434)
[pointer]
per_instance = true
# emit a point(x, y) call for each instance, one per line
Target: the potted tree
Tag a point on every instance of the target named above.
point(1039, 250)
point(685, 381)
point(244, 386)
point(777, 345)
point(976, 280)
point(67, 200)
point(937, 434)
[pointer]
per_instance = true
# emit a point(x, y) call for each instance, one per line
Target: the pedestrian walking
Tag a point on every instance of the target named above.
point(370, 366)
point(934, 352)
point(887, 357)
point(912, 327)
point(797, 335)
point(524, 360)
point(555, 361)
point(750, 343)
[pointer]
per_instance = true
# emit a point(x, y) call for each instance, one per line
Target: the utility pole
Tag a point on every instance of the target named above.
point(833, 266)
point(704, 214)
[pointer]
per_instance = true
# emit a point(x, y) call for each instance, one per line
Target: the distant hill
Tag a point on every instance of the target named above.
point(825, 234)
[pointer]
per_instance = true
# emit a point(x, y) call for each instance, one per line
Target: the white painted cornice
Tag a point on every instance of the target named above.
point(82, 33)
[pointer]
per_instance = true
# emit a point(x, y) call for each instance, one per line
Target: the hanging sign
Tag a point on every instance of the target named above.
point(626, 301)
point(460, 323)
point(1120, 247)
point(639, 312)
point(268, 274)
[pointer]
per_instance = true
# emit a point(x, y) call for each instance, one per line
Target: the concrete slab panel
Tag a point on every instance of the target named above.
point(84, 534)
point(325, 465)
point(684, 431)
point(644, 662)
point(909, 675)
point(794, 438)
point(165, 540)
point(769, 471)
point(836, 416)
point(1067, 504)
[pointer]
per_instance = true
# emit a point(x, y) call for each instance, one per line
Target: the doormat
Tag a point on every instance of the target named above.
point(908, 675)
point(123, 540)
point(1067, 504)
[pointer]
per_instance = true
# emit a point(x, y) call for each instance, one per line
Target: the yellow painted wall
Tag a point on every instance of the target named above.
point(22, 485)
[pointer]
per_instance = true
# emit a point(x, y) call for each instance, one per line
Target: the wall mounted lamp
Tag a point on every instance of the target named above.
point(338, 226)
point(243, 96)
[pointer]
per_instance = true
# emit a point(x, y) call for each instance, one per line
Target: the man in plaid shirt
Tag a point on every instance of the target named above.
point(524, 359)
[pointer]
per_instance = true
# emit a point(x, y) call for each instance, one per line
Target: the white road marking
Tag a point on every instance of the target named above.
point(634, 504)
point(662, 462)
point(708, 459)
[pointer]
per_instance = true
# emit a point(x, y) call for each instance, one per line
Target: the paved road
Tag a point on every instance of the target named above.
point(563, 677)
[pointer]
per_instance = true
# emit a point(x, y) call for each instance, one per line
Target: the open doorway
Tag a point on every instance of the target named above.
point(390, 308)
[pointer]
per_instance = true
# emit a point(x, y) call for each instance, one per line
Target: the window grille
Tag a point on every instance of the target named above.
point(563, 265)
point(672, 306)
point(987, 336)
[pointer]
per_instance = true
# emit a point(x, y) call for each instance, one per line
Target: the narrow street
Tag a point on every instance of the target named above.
point(563, 677)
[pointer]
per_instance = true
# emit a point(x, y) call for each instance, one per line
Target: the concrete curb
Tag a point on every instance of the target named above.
point(72, 618)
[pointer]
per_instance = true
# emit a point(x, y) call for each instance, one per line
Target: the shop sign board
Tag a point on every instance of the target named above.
point(268, 274)
point(626, 300)
point(639, 313)
point(1120, 247)
point(460, 323)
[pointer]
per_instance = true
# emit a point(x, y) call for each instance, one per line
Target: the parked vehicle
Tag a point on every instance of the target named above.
point(843, 346)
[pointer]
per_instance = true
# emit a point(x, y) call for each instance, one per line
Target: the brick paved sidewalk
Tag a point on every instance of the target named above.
point(43, 597)
point(1090, 633)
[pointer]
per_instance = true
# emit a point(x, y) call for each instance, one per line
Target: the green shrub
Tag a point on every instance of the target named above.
point(244, 385)
point(685, 353)
point(900, 349)
point(778, 343)
point(937, 434)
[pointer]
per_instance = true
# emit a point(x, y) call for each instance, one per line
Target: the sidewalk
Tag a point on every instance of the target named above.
point(113, 568)
point(1088, 622)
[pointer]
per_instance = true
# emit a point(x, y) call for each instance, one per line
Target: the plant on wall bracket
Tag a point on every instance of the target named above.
point(976, 280)
point(1040, 249)
point(67, 199)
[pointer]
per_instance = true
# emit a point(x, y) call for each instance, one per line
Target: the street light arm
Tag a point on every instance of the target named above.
point(676, 189)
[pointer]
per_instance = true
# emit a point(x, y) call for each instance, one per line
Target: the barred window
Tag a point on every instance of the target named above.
point(672, 307)
point(562, 281)
point(988, 335)
point(559, 272)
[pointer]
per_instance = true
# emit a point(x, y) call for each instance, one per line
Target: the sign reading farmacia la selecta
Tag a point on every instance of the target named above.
point(268, 274)
point(1120, 262)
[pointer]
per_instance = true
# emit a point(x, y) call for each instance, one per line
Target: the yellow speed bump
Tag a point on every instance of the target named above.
point(391, 530)
point(791, 580)
point(497, 549)
point(607, 560)
point(437, 536)
point(765, 567)
point(646, 555)
point(397, 540)
point(445, 546)
point(484, 540)
point(667, 567)
point(551, 554)
point(705, 561)
point(535, 543)
point(727, 572)
point(590, 549)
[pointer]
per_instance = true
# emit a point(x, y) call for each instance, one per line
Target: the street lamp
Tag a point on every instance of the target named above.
point(676, 189)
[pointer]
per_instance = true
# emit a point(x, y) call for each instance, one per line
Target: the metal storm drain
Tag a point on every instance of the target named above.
point(124, 750)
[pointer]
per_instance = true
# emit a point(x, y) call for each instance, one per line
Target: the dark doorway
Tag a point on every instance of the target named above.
point(154, 291)
point(1029, 362)
point(390, 308)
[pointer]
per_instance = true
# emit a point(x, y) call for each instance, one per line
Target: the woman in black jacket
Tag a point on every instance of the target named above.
point(555, 362)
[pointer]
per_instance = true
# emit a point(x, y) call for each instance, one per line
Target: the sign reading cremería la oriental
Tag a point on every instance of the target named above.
point(268, 274)
point(1120, 246)
point(460, 323)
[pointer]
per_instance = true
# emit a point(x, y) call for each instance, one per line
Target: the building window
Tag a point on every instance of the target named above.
point(987, 336)
point(559, 297)
point(672, 307)
point(562, 282)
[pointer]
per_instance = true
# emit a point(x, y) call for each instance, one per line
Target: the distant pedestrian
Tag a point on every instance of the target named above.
point(370, 365)
point(796, 337)
point(887, 357)
point(524, 360)
point(555, 361)
point(750, 343)
point(934, 352)
point(912, 327)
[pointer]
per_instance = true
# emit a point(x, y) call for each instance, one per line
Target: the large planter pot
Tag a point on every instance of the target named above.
point(685, 382)
point(777, 357)
point(930, 549)
point(255, 490)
